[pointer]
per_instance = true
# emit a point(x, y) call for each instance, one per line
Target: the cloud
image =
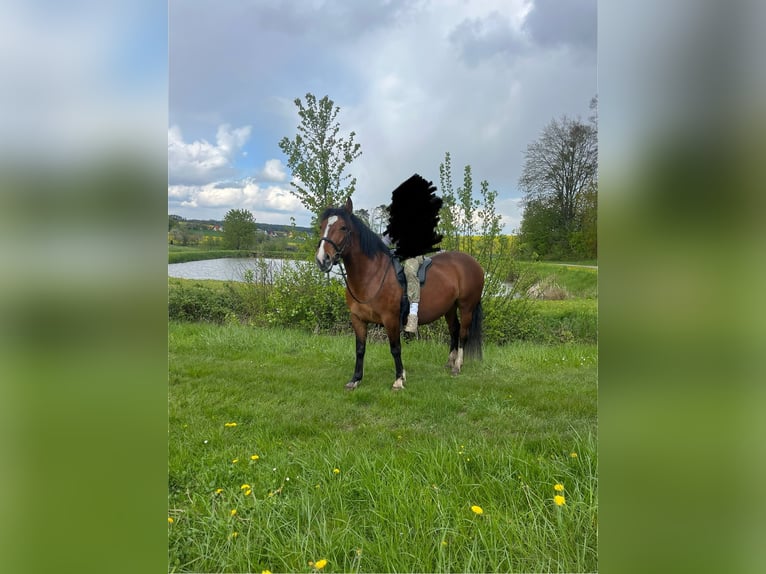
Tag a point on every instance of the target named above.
point(480, 38)
point(270, 203)
point(200, 161)
point(413, 80)
point(556, 23)
point(273, 170)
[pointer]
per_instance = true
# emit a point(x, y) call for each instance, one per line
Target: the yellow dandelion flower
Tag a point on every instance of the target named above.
point(573, 454)
point(244, 487)
point(444, 543)
point(218, 490)
point(235, 461)
point(558, 487)
point(170, 520)
point(265, 571)
point(234, 534)
point(559, 500)
point(248, 492)
point(477, 509)
point(320, 564)
point(233, 511)
point(229, 424)
point(336, 471)
point(255, 457)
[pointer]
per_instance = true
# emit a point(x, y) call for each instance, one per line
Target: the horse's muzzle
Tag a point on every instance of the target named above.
point(324, 264)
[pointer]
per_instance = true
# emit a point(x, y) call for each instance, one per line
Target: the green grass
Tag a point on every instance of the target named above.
point(411, 464)
point(580, 282)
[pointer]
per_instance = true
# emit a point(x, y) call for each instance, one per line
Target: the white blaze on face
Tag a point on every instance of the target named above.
point(330, 221)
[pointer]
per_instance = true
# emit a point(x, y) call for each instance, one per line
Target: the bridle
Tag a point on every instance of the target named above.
point(338, 249)
point(336, 259)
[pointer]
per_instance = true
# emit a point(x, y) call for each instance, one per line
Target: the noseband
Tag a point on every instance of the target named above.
point(338, 249)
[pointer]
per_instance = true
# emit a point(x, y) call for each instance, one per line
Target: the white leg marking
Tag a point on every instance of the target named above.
point(398, 385)
point(458, 361)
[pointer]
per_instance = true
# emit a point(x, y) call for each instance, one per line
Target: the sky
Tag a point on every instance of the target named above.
point(413, 80)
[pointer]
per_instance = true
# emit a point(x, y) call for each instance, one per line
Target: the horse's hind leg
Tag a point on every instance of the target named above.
point(453, 325)
point(360, 330)
point(395, 342)
point(466, 315)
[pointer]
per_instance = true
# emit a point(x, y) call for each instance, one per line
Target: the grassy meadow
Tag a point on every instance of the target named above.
point(273, 466)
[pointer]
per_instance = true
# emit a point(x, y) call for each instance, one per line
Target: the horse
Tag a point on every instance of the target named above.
point(374, 295)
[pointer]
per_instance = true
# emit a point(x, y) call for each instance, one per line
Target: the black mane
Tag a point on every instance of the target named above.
point(369, 241)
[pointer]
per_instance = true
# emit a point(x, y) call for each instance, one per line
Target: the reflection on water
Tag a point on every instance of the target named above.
point(229, 269)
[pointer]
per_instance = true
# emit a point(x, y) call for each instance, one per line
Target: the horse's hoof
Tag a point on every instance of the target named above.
point(351, 385)
point(398, 385)
point(455, 371)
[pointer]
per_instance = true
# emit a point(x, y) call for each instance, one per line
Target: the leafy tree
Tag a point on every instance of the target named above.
point(379, 218)
point(318, 156)
point(238, 229)
point(173, 221)
point(559, 173)
point(364, 215)
point(448, 226)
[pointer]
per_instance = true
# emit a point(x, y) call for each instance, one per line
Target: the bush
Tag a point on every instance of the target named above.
point(304, 297)
point(200, 303)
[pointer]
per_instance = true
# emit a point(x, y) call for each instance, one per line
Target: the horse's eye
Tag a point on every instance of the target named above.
point(344, 228)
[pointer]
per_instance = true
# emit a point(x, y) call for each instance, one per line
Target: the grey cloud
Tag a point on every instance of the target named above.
point(572, 22)
point(480, 38)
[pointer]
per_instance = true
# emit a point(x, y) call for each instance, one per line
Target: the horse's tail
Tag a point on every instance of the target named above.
point(473, 342)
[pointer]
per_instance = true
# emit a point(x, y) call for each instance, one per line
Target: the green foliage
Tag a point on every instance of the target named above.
point(238, 229)
point(448, 225)
point(318, 156)
point(304, 297)
point(379, 219)
point(197, 302)
point(410, 464)
point(559, 181)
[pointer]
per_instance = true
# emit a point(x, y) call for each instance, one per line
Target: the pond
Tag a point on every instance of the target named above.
point(231, 269)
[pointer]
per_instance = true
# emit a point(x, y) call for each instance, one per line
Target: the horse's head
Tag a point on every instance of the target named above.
point(335, 229)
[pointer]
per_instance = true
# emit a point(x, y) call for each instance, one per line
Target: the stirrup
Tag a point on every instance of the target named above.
point(412, 324)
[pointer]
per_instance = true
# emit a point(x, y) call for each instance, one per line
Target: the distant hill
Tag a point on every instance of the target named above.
point(268, 227)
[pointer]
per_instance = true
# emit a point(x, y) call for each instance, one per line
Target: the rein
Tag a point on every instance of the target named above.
point(337, 258)
point(382, 282)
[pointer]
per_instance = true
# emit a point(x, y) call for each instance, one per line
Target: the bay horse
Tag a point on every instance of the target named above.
point(373, 294)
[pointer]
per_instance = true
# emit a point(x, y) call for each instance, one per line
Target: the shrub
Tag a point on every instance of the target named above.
point(302, 296)
point(200, 303)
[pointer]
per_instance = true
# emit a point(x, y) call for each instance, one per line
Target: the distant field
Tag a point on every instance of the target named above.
point(372, 480)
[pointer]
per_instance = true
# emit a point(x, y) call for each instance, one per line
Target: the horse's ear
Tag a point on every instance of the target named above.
point(349, 205)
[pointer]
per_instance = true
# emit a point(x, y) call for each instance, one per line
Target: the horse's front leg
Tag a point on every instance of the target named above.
point(360, 330)
point(395, 342)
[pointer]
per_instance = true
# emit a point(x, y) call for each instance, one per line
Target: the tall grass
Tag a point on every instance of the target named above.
point(579, 282)
point(376, 481)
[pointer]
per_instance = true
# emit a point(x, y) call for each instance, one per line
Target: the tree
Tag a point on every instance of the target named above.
point(364, 215)
point(559, 173)
point(238, 229)
point(379, 218)
point(318, 156)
